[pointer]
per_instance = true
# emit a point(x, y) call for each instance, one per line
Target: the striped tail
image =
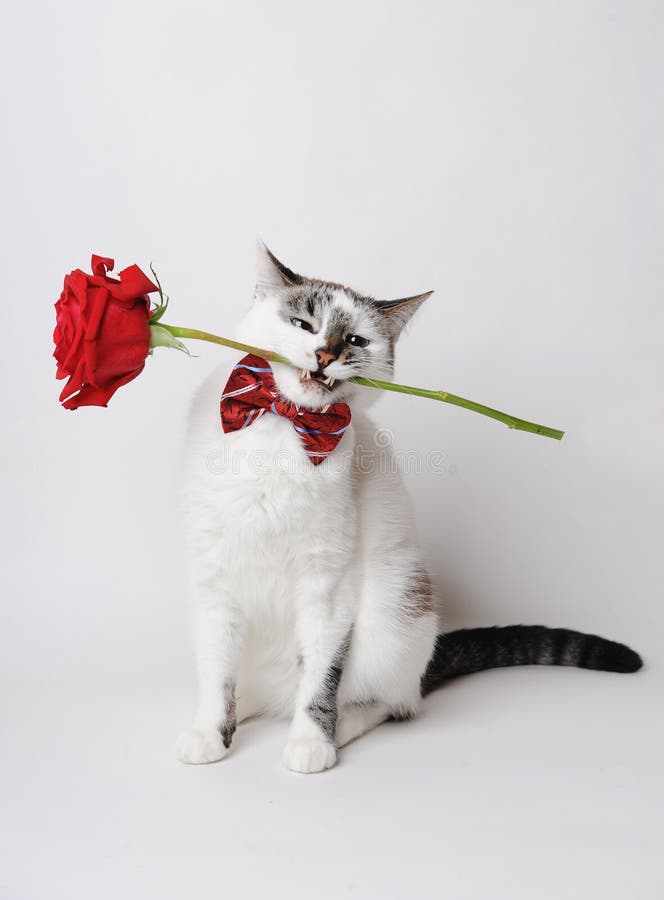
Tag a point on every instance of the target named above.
point(475, 649)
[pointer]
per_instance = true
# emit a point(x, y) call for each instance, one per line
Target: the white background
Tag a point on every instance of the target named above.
point(507, 155)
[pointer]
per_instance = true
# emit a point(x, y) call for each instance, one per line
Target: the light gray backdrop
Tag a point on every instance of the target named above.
point(507, 155)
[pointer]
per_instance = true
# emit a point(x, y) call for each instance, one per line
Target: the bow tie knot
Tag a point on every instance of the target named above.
point(251, 391)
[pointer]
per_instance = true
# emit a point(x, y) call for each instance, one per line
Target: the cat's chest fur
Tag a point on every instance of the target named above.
point(269, 480)
point(270, 505)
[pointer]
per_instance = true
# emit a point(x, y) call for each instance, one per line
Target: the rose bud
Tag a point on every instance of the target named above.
point(102, 335)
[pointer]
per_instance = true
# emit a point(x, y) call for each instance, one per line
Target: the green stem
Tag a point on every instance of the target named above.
point(197, 335)
point(443, 396)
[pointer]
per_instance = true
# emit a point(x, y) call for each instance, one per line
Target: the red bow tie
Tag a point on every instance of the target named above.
point(250, 392)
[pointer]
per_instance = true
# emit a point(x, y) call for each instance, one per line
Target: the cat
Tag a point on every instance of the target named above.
point(313, 601)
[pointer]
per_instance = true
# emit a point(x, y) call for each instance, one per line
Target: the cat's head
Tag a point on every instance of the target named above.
point(329, 331)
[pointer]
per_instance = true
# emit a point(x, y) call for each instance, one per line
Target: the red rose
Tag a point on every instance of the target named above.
point(102, 335)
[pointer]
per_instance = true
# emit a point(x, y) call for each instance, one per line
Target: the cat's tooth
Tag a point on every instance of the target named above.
point(329, 381)
point(306, 375)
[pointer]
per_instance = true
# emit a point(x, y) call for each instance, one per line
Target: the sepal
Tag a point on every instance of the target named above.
point(161, 337)
point(158, 311)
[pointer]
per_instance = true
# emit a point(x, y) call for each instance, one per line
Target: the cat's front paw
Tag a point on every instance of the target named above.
point(309, 755)
point(197, 746)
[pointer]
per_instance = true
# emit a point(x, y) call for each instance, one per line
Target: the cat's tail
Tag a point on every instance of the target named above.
point(475, 649)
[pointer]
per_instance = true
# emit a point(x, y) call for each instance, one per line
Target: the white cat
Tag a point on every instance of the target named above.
point(312, 598)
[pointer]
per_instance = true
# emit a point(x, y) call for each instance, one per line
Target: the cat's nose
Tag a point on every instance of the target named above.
point(324, 357)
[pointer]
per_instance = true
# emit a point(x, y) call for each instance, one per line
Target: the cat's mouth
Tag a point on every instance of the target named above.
point(317, 378)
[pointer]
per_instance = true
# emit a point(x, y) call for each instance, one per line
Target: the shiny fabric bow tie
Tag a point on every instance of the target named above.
point(250, 392)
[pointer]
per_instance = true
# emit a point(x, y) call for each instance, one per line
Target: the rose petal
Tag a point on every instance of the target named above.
point(135, 283)
point(100, 264)
point(97, 299)
point(75, 381)
point(96, 396)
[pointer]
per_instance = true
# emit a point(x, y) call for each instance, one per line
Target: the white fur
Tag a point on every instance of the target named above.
point(288, 558)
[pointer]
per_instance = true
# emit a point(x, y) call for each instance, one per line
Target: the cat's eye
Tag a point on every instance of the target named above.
point(302, 323)
point(356, 341)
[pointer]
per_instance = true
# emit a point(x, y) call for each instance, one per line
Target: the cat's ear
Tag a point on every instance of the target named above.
point(271, 274)
point(398, 312)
